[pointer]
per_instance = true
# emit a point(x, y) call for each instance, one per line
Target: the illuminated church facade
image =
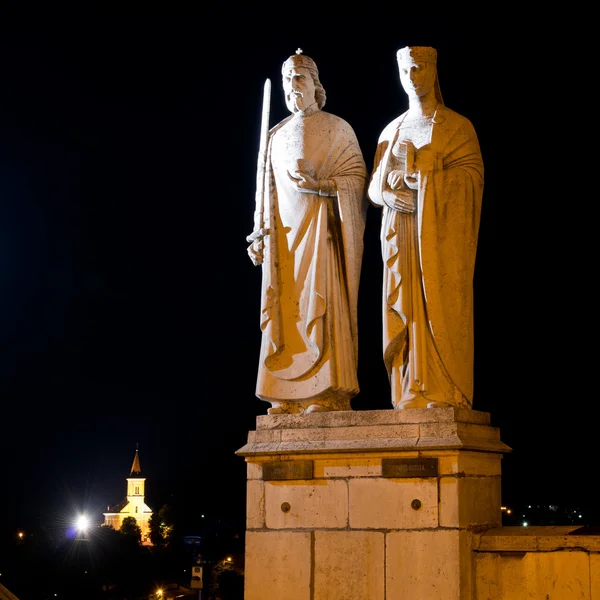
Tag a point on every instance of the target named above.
point(133, 505)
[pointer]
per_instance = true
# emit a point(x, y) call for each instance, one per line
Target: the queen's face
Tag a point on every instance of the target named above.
point(299, 88)
point(417, 78)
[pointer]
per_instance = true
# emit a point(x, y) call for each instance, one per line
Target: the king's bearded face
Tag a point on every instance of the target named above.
point(299, 89)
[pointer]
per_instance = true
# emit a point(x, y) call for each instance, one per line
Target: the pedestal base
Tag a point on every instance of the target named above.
point(369, 505)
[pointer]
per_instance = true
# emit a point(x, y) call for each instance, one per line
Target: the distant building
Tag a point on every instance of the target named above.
point(133, 505)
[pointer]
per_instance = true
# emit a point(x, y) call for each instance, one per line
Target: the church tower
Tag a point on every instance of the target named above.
point(134, 504)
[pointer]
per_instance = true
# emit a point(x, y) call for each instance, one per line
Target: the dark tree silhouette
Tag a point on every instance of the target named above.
point(131, 529)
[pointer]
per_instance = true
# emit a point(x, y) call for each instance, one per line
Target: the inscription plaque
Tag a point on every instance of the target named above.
point(288, 469)
point(409, 467)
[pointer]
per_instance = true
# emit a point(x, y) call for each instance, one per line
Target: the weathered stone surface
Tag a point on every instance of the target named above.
point(429, 565)
point(533, 575)
point(372, 417)
point(528, 539)
point(595, 576)
point(254, 470)
point(349, 565)
point(470, 501)
point(313, 504)
point(357, 466)
point(373, 431)
point(469, 463)
point(255, 504)
point(386, 503)
point(395, 432)
point(278, 565)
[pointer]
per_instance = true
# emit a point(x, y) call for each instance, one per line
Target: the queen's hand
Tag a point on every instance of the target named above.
point(402, 200)
point(395, 180)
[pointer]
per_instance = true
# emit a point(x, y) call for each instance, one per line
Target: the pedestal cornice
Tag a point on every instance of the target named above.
point(373, 431)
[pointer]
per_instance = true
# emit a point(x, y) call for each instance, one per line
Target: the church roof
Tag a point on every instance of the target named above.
point(116, 508)
point(136, 469)
point(6, 594)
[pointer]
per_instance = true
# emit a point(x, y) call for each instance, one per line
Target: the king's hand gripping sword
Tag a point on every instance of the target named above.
point(259, 225)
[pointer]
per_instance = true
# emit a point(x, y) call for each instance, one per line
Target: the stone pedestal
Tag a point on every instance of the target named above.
point(369, 505)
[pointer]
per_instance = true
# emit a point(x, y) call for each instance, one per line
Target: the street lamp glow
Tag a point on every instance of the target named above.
point(82, 523)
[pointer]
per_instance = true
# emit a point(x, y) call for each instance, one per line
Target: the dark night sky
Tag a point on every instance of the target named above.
point(130, 309)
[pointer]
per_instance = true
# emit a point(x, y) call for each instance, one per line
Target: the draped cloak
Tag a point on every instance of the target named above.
point(311, 269)
point(429, 261)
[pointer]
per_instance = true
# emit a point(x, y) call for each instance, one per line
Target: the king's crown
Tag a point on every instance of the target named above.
point(300, 60)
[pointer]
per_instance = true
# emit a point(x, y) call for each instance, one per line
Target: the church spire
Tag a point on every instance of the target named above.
point(135, 468)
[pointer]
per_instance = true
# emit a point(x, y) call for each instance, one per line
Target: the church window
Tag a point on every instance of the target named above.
point(137, 490)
